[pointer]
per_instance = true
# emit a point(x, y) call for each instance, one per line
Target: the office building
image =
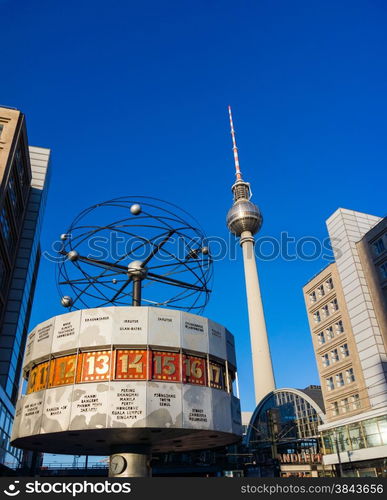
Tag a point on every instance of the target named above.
point(23, 178)
point(346, 304)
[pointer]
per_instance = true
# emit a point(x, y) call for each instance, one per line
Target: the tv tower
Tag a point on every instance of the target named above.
point(244, 219)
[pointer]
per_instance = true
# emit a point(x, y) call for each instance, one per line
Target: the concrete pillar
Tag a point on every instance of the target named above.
point(262, 365)
point(135, 463)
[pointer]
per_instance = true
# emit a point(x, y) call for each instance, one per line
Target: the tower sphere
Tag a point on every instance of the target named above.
point(244, 216)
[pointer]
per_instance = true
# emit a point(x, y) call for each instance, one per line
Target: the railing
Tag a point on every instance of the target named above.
point(60, 466)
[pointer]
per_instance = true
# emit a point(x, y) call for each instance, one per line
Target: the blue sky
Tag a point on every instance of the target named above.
point(132, 99)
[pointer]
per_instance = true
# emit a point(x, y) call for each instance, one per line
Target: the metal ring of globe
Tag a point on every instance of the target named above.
point(134, 250)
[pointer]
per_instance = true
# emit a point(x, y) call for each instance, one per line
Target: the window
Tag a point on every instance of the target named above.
point(330, 384)
point(345, 405)
point(355, 400)
point(321, 291)
point(339, 327)
point(383, 270)
point(344, 350)
point(317, 317)
point(371, 431)
point(339, 379)
point(325, 311)
point(321, 338)
point(335, 408)
point(312, 297)
point(356, 436)
point(4, 272)
point(5, 225)
point(329, 333)
point(329, 283)
point(12, 191)
point(14, 197)
point(334, 356)
point(382, 423)
point(1, 128)
point(325, 360)
point(379, 246)
point(350, 375)
point(334, 305)
point(22, 171)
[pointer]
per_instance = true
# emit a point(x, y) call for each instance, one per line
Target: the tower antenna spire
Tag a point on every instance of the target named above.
point(238, 172)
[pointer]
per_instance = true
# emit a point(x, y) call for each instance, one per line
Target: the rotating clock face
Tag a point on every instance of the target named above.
point(117, 464)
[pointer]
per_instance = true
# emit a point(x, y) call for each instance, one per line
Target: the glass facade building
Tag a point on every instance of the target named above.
point(23, 188)
point(283, 433)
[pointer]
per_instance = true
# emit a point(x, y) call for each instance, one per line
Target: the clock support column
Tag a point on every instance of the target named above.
point(133, 463)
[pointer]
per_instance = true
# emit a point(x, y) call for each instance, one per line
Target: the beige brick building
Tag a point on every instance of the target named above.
point(338, 363)
point(346, 305)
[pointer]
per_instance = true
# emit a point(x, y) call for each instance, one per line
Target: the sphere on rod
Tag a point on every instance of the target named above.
point(135, 209)
point(66, 301)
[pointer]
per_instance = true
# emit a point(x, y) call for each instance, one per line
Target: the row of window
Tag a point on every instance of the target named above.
point(339, 380)
point(335, 355)
point(350, 437)
point(345, 405)
point(14, 454)
point(129, 364)
point(17, 191)
point(330, 332)
point(326, 311)
point(5, 420)
point(321, 291)
point(11, 212)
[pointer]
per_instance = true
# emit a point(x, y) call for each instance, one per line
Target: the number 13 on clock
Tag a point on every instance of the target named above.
point(95, 366)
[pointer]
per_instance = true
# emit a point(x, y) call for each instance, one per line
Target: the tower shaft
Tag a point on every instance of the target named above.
point(262, 365)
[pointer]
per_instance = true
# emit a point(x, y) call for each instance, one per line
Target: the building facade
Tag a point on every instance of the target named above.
point(23, 187)
point(346, 305)
point(283, 435)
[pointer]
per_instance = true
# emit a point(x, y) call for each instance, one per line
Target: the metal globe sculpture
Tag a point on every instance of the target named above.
point(133, 251)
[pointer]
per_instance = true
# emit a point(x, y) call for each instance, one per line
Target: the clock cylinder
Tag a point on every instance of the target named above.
point(98, 379)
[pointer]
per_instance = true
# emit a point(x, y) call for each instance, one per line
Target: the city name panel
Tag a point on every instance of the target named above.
point(101, 378)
